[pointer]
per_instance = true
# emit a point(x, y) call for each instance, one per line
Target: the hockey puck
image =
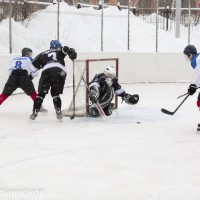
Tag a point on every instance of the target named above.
point(138, 122)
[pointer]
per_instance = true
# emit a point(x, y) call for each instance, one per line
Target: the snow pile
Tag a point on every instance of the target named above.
point(81, 29)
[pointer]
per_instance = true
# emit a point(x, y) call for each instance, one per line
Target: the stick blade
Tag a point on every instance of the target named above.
point(167, 111)
point(99, 108)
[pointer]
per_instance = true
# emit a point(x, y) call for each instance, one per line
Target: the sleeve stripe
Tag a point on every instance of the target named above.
point(64, 51)
point(119, 91)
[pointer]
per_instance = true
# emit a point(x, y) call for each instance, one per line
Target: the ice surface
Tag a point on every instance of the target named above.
point(94, 159)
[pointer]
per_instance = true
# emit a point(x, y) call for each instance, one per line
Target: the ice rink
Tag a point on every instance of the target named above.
point(112, 159)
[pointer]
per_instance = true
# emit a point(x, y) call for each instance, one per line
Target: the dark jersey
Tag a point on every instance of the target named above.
point(50, 57)
point(101, 81)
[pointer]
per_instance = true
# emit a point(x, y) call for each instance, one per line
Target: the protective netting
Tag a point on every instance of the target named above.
point(84, 72)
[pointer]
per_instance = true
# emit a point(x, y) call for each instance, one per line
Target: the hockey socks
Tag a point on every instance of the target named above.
point(57, 104)
point(38, 103)
point(57, 101)
point(33, 96)
point(2, 98)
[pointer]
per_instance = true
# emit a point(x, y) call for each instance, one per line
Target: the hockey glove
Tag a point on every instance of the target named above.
point(72, 54)
point(131, 99)
point(192, 89)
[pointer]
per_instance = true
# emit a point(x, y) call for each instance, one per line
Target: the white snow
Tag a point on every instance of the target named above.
point(93, 159)
point(81, 29)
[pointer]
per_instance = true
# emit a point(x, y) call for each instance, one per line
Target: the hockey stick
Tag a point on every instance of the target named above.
point(73, 115)
point(172, 113)
point(99, 108)
point(182, 95)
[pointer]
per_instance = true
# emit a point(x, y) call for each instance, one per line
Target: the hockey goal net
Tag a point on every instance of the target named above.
point(83, 73)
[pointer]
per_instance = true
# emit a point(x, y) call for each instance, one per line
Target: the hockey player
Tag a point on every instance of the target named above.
point(53, 75)
point(103, 87)
point(21, 72)
point(191, 54)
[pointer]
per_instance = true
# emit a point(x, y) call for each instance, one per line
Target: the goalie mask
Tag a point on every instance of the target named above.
point(110, 72)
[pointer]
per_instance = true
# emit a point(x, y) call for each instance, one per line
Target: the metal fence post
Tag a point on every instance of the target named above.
point(58, 20)
point(10, 27)
point(157, 26)
point(189, 20)
point(178, 17)
point(102, 13)
point(129, 25)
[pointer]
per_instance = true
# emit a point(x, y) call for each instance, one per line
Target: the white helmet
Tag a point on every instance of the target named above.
point(110, 72)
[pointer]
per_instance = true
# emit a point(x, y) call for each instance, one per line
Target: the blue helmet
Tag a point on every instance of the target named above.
point(190, 49)
point(54, 44)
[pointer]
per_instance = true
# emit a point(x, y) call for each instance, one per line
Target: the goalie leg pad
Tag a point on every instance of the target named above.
point(108, 110)
point(93, 112)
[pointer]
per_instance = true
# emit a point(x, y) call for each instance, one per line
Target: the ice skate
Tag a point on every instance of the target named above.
point(43, 110)
point(33, 115)
point(59, 114)
point(198, 129)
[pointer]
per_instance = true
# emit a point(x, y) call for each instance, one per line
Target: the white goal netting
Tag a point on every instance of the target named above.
point(84, 72)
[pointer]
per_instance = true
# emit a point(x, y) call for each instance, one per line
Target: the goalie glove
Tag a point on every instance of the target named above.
point(131, 99)
point(93, 97)
point(94, 94)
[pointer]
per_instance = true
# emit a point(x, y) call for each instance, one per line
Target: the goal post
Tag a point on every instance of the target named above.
point(83, 73)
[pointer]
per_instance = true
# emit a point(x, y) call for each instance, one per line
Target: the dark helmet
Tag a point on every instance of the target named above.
point(26, 51)
point(54, 44)
point(190, 49)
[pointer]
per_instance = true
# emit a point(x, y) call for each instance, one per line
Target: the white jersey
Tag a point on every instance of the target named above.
point(24, 63)
point(195, 63)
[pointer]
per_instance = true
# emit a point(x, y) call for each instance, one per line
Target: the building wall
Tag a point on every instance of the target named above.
point(113, 2)
point(197, 3)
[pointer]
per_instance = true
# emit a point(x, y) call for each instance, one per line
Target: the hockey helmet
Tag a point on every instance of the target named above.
point(26, 52)
point(110, 72)
point(54, 44)
point(189, 50)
